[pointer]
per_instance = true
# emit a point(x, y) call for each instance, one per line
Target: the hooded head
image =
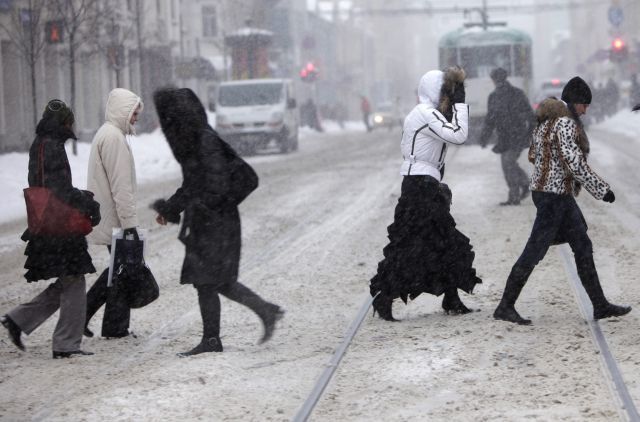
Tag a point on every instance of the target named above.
point(498, 75)
point(57, 117)
point(121, 105)
point(429, 88)
point(182, 119)
point(576, 91)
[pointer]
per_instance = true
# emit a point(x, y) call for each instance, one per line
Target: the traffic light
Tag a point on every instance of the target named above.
point(53, 31)
point(309, 73)
point(619, 51)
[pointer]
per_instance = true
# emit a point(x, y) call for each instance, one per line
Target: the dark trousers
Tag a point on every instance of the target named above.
point(117, 314)
point(558, 220)
point(209, 301)
point(516, 178)
point(365, 119)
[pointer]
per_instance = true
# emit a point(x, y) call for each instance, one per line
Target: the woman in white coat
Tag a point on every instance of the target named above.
point(426, 253)
point(112, 178)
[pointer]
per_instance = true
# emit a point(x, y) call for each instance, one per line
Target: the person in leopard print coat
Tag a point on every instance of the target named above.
point(559, 151)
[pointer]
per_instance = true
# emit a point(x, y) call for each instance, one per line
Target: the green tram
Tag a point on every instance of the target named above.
point(478, 50)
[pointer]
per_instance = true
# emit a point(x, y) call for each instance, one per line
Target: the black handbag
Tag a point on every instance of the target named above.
point(132, 274)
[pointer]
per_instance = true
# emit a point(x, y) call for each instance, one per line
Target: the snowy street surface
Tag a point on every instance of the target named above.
point(313, 234)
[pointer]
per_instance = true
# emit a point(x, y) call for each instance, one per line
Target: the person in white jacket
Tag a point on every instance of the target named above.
point(426, 253)
point(112, 178)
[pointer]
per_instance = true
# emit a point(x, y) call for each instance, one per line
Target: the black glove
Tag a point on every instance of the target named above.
point(458, 95)
point(94, 213)
point(609, 197)
point(161, 207)
point(131, 231)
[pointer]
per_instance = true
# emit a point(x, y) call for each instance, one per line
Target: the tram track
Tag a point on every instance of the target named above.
point(296, 255)
point(615, 380)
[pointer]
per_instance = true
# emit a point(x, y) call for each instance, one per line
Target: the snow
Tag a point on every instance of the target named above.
point(311, 243)
point(625, 122)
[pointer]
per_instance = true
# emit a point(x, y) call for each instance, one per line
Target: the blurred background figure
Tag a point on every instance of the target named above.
point(511, 116)
point(365, 108)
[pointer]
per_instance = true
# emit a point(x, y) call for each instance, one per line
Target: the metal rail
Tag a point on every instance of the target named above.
point(614, 377)
point(323, 381)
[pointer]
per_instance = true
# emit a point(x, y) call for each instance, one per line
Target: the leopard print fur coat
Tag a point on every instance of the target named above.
point(559, 154)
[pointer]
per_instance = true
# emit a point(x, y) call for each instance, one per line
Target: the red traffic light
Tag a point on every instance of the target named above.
point(617, 44)
point(619, 51)
point(309, 72)
point(53, 32)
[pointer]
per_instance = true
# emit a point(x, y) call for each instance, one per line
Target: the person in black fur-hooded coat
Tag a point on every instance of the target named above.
point(215, 181)
point(426, 253)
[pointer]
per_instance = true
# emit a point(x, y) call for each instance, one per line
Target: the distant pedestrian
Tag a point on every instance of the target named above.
point(511, 116)
point(634, 90)
point(559, 153)
point(365, 108)
point(62, 257)
point(426, 253)
point(215, 181)
point(112, 177)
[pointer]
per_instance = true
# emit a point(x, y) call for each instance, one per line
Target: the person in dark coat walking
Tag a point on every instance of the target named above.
point(511, 116)
point(559, 154)
point(64, 258)
point(215, 181)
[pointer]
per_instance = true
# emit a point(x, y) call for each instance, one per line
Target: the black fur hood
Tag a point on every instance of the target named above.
point(183, 119)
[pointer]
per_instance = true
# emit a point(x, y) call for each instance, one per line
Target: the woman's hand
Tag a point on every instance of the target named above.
point(161, 220)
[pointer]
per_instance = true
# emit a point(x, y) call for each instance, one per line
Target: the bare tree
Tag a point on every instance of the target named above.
point(80, 20)
point(25, 32)
point(118, 28)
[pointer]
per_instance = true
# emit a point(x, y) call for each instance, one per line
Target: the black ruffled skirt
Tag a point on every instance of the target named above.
point(426, 253)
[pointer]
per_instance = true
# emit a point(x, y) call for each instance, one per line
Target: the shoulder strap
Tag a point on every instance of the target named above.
point(41, 163)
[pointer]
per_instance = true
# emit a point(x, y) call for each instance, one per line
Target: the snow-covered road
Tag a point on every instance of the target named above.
point(313, 234)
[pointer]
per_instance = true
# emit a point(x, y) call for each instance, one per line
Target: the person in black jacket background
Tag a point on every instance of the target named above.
point(511, 116)
point(67, 257)
point(215, 181)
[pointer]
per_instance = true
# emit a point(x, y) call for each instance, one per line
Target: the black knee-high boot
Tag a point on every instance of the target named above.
point(589, 278)
point(268, 312)
point(506, 310)
point(452, 304)
point(96, 297)
point(209, 302)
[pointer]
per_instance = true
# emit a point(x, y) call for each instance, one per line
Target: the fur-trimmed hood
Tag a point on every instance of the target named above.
point(452, 77)
point(436, 86)
point(552, 108)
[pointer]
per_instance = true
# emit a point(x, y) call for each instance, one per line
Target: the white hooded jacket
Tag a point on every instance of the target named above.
point(112, 173)
point(427, 132)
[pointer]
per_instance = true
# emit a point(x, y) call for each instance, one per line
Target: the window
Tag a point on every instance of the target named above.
point(209, 21)
point(250, 94)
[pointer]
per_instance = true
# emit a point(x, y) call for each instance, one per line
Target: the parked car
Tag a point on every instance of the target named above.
point(386, 115)
point(252, 113)
point(550, 88)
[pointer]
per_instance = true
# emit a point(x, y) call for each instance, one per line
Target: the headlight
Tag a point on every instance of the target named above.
point(277, 117)
point(378, 118)
point(222, 120)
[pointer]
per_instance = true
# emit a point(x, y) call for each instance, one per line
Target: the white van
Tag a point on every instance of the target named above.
point(251, 113)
